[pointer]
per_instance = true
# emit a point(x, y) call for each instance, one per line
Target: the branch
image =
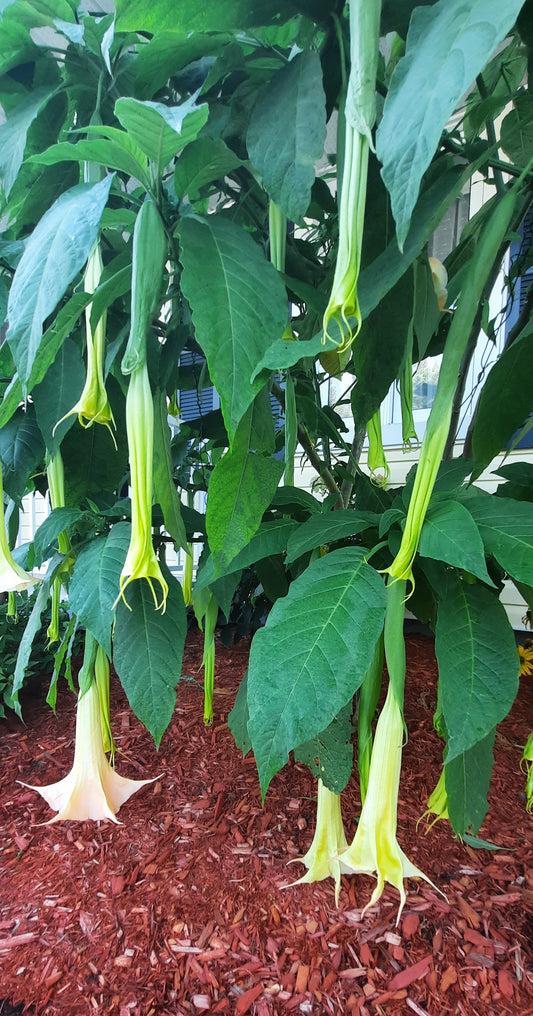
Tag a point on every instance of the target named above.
point(305, 441)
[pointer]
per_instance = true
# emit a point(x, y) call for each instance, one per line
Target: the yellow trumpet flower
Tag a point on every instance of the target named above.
point(13, 578)
point(322, 859)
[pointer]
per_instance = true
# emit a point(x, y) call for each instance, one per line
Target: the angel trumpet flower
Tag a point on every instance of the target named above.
point(322, 858)
point(527, 764)
point(437, 803)
point(375, 848)
point(141, 561)
point(13, 578)
point(93, 403)
point(92, 789)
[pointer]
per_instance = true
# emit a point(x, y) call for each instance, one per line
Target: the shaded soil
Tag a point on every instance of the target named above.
point(182, 909)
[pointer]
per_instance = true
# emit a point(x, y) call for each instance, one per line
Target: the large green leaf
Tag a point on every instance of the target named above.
point(166, 493)
point(21, 451)
point(450, 534)
point(517, 130)
point(58, 392)
point(95, 581)
point(92, 464)
point(506, 528)
point(506, 400)
point(14, 132)
point(147, 653)
point(203, 162)
point(239, 307)
point(161, 131)
point(287, 133)
point(329, 755)
point(55, 252)
point(448, 44)
point(312, 655)
point(478, 662)
point(467, 779)
point(287, 352)
point(168, 52)
point(269, 540)
point(321, 529)
point(45, 539)
point(116, 152)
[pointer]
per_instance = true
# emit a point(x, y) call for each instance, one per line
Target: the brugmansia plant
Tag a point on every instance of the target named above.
point(198, 293)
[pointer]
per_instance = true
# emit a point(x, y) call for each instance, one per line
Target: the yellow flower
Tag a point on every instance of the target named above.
point(322, 858)
point(375, 849)
point(437, 803)
point(526, 659)
point(439, 277)
point(92, 789)
point(527, 766)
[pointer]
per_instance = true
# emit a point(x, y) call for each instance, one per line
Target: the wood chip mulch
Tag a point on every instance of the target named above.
point(183, 908)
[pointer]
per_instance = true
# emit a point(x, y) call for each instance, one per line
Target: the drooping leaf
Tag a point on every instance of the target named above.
point(239, 307)
point(467, 779)
point(286, 352)
point(322, 529)
point(14, 132)
point(478, 662)
point(55, 252)
point(45, 539)
point(448, 44)
point(92, 464)
point(506, 528)
point(58, 392)
point(95, 581)
point(238, 718)
point(505, 401)
point(21, 451)
point(516, 134)
point(316, 648)
point(329, 755)
point(161, 131)
point(450, 534)
point(287, 133)
point(210, 16)
point(380, 348)
point(147, 652)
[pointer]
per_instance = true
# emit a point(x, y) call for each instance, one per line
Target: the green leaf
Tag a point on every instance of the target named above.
point(448, 44)
point(450, 534)
point(161, 131)
point(14, 132)
point(210, 16)
point(92, 464)
point(241, 488)
point(505, 401)
point(516, 134)
point(322, 529)
point(316, 648)
point(380, 348)
point(467, 779)
point(166, 493)
point(46, 535)
point(95, 581)
point(117, 152)
point(287, 133)
point(54, 254)
point(239, 307)
point(270, 539)
point(506, 528)
point(443, 188)
point(286, 352)
point(329, 755)
point(21, 451)
point(202, 163)
point(295, 501)
point(168, 52)
point(478, 662)
point(58, 392)
point(148, 652)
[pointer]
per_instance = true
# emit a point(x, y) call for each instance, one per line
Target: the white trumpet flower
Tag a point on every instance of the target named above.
point(92, 789)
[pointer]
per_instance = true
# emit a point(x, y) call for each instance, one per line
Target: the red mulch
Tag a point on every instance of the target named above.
point(182, 908)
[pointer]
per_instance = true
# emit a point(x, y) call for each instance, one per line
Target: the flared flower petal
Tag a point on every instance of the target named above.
point(437, 803)
point(322, 859)
point(375, 849)
point(92, 789)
